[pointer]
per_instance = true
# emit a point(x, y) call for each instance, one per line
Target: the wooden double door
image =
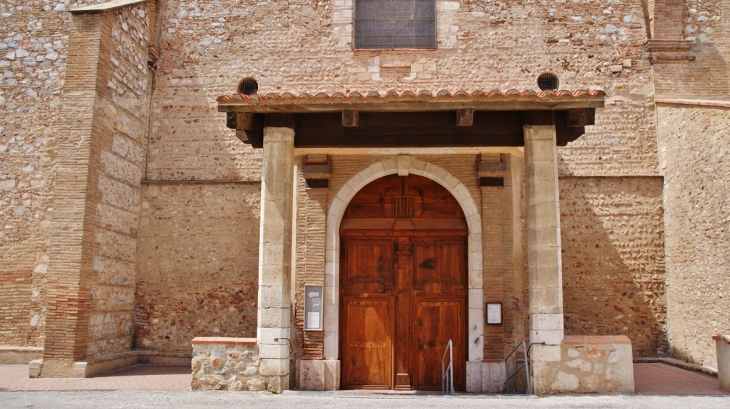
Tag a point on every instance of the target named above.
point(403, 296)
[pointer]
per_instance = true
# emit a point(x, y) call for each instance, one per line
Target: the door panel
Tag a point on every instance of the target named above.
point(436, 323)
point(403, 285)
point(369, 265)
point(368, 343)
point(439, 265)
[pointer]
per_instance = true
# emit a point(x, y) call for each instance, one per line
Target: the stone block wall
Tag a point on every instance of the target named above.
point(34, 39)
point(221, 363)
point(198, 263)
point(96, 201)
point(694, 150)
point(116, 172)
point(613, 260)
point(592, 364)
point(34, 54)
point(706, 76)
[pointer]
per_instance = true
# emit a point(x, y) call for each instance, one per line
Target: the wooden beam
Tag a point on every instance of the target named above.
point(410, 129)
point(581, 117)
point(242, 121)
point(464, 117)
point(350, 118)
point(279, 121)
point(539, 118)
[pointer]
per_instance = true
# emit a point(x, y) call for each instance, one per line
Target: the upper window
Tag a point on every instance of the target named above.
point(395, 24)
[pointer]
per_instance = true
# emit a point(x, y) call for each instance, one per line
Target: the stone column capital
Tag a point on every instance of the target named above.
point(278, 134)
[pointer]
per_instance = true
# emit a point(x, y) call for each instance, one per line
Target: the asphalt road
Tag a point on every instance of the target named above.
point(318, 400)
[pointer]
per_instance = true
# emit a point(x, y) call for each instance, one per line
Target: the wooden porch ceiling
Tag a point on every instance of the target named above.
point(411, 120)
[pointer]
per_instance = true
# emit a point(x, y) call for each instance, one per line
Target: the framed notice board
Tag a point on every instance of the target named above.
point(494, 313)
point(313, 307)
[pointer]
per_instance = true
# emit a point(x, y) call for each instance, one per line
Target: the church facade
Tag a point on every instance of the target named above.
point(351, 188)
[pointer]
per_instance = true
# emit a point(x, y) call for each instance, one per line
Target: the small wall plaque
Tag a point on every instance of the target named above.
point(494, 313)
point(313, 307)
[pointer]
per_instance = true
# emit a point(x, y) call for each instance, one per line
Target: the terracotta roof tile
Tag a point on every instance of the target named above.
point(494, 100)
point(406, 95)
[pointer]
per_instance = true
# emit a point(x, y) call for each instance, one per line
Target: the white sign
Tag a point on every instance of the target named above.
point(313, 303)
point(494, 313)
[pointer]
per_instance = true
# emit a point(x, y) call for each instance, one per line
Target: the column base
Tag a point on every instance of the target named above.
point(318, 375)
point(485, 377)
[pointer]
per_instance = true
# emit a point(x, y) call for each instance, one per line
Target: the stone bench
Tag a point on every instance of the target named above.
point(222, 363)
point(594, 364)
point(722, 343)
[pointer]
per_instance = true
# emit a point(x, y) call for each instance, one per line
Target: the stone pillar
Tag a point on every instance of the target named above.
point(543, 248)
point(275, 256)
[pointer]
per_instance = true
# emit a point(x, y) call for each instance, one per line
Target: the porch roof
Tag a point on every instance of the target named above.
point(408, 101)
point(407, 119)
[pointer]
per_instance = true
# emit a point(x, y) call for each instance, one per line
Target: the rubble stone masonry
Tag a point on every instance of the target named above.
point(613, 260)
point(694, 150)
point(198, 263)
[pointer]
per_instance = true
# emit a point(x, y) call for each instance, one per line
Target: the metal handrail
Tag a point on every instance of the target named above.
point(447, 373)
point(525, 364)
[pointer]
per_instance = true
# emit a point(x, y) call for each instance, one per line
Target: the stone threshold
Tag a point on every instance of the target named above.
point(97, 366)
point(394, 394)
point(677, 363)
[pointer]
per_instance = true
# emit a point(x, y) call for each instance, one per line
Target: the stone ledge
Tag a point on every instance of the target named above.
point(96, 366)
point(223, 341)
point(106, 6)
point(596, 339)
point(694, 102)
point(17, 355)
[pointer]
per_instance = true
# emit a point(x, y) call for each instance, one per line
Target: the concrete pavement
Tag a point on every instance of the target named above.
point(154, 386)
point(323, 400)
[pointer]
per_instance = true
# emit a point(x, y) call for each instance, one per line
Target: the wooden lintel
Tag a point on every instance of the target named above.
point(581, 117)
point(411, 129)
point(350, 118)
point(464, 117)
point(279, 120)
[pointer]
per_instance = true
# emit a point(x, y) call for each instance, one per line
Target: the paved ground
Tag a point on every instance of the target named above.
point(137, 377)
point(661, 379)
point(168, 387)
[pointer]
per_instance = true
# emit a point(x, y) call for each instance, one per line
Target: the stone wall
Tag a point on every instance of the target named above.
point(122, 115)
point(221, 363)
point(694, 148)
point(300, 46)
point(198, 263)
point(613, 260)
point(33, 51)
point(707, 76)
point(592, 364)
point(204, 46)
point(101, 147)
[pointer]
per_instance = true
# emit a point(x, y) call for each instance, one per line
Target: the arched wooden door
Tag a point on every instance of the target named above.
point(403, 285)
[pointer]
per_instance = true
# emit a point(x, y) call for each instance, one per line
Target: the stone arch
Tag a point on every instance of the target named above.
point(403, 165)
